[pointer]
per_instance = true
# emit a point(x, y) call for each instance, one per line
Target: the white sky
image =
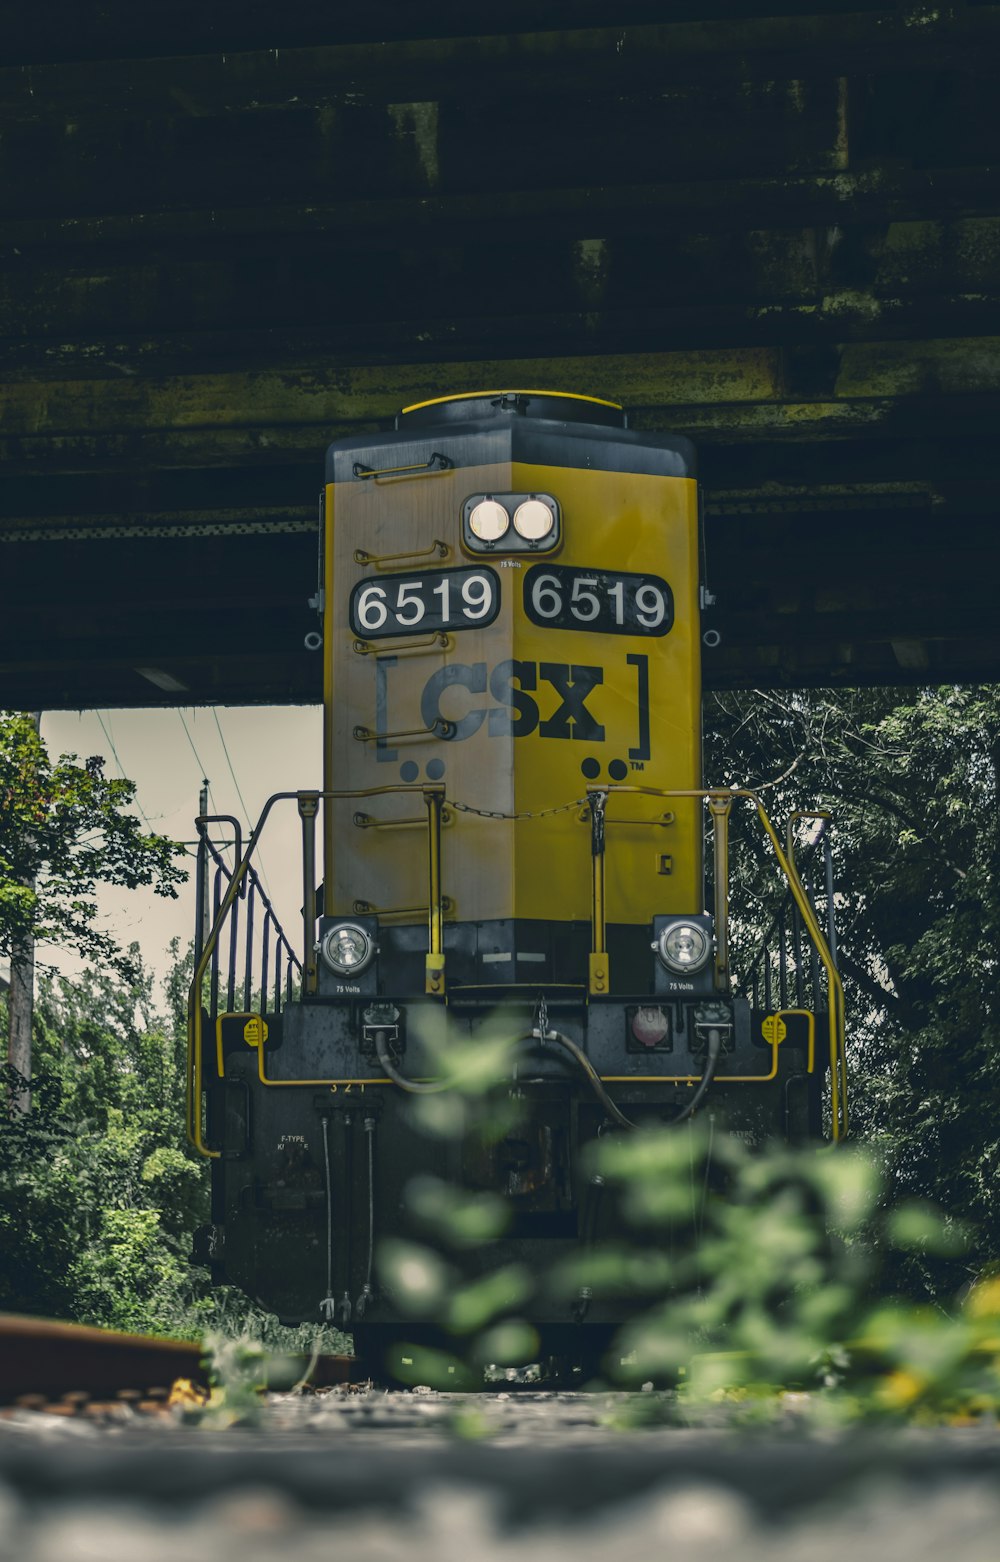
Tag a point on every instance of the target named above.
point(272, 749)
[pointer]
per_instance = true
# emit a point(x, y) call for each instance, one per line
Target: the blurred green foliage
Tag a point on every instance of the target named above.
point(754, 1281)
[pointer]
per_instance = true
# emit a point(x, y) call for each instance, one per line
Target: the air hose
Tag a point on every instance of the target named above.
point(587, 1068)
point(590, 1212)
point(413, 1087)
point(345, 1300)
point(596, 1084)
point(704, 1084)
point(328, 1306)
point(583, 1063)
point(367, 1290)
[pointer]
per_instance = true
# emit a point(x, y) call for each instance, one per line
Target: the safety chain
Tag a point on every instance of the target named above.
point(541, 1025)
point(492, 813)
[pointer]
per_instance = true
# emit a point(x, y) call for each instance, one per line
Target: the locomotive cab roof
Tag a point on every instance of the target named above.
point(561, 406)
point(544, 427)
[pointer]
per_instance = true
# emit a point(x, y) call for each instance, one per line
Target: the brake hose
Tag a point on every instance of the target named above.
point(580, 1058)
point(597, 1085)
point(414, 1087)
point(582, 1062)
point(711, 1064)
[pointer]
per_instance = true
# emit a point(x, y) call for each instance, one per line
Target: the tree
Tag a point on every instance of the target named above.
point(99, 1195)
point(66, 828)
point(913, 780)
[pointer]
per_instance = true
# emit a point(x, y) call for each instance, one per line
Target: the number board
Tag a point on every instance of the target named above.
point(607, 602)
point(445, 599)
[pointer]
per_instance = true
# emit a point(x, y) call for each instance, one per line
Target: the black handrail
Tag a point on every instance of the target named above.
point(779, 955)
point(267, 955)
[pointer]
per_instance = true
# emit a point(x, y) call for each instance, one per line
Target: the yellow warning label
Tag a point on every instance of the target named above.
point(251, 1030)
point(773, 1028)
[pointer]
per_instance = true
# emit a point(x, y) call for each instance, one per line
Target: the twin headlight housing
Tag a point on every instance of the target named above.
point(511, 523)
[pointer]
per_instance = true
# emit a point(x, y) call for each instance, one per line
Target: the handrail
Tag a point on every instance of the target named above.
point(720, 800)
point(775, 925)
point(308, 805)
point(822, 834)
point(614, 1079)
point(720, 809)
point(760, 965)
point(439, 641)
point(205, 819)
point(241, 876)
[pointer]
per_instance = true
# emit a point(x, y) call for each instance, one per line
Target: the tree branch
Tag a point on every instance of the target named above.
point(869, 986)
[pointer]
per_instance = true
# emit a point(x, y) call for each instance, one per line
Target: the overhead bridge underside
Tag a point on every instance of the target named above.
point(231, 233)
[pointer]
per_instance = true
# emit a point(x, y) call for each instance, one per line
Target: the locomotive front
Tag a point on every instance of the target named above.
point(511, 613)
point(512, 820)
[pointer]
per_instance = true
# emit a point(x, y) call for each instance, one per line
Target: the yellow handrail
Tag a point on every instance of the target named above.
point(835, 988)
point(613, 1079)
point(720, 800)
point(726, 1079)
point(434, 972)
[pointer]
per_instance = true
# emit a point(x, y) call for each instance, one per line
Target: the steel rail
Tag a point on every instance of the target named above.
point(52, 1360)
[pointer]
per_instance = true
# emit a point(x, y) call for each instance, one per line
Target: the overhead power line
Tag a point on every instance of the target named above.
point(239, 794)
point(187, 734)
point(232, 772)
point(199, 763)
point(121, 772)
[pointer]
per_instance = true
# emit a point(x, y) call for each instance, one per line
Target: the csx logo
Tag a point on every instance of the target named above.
point(517, 713)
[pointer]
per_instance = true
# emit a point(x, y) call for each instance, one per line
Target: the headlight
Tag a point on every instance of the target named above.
point(486, 523)
point(683, 947)
point(347, 949)
point(489, 520)
point(533, 520)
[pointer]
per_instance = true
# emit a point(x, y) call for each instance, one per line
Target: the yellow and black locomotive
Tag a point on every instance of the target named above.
point(513, 823)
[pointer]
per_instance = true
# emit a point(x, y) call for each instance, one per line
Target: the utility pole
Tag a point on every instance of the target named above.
point(20, 1010)
point(21, 1000)
point(203, 920)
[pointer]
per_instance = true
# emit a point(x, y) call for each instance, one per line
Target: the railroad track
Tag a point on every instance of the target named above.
point(68, 1369)
point(421, 1475)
